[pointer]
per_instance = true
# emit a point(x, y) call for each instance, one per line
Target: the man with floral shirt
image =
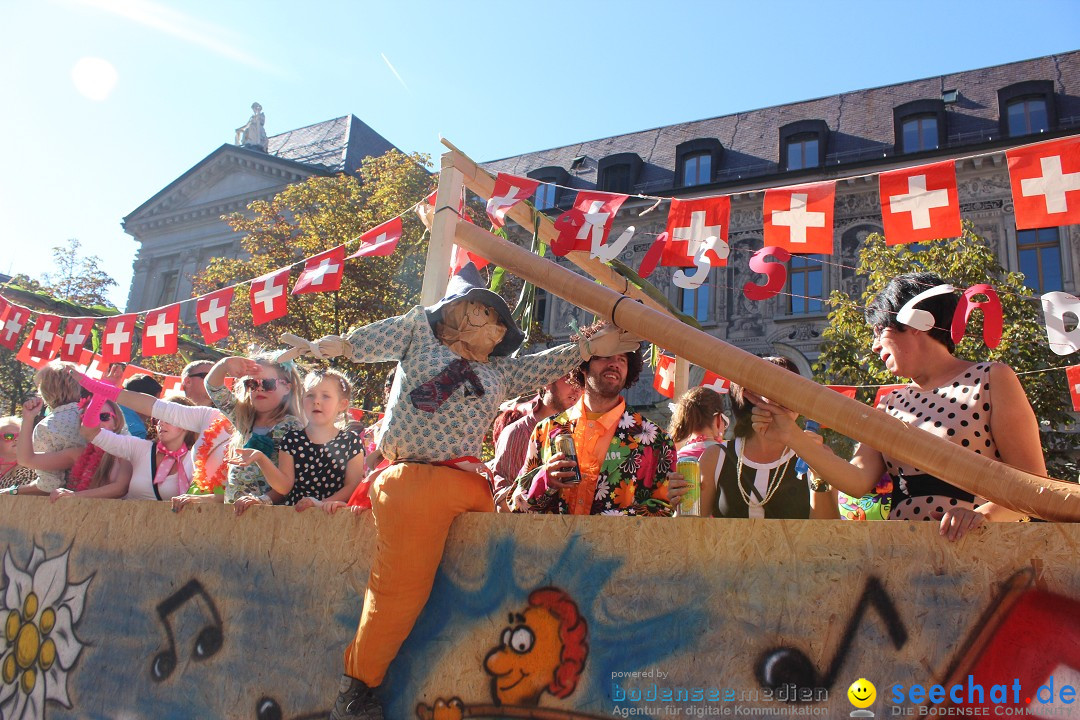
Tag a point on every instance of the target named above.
point(625, 460)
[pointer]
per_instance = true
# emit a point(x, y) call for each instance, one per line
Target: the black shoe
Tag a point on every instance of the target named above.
point(356, 701)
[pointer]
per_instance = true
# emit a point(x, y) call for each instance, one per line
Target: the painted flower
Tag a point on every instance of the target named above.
point(623, 495)
point(627, 420)
point(648, 433)
point(602, 490)
point(38, 645)
point(612, 512)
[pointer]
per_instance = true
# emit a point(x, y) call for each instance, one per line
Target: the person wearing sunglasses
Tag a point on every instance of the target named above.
point(12, 474)
point(91, 472)
point(193, 382)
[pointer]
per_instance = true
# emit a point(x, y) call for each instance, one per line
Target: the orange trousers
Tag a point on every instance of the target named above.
point(413, 506)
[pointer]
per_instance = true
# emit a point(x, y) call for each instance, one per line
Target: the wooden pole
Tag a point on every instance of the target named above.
point(441, 242)
point(1003, 484)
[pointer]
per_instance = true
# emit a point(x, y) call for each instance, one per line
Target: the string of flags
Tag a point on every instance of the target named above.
point(917, 203)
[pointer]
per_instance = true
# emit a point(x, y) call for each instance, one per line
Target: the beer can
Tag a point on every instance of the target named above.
point(690, 504)
point(565, 444)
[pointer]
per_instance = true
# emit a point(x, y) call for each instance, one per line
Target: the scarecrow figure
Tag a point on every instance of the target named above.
point(454, 370)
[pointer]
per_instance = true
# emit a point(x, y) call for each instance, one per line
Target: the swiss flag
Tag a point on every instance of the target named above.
point(26, 355)
point(76, 333)
point(117, 340)
point(322, 273)
point(919, 204)
point(270, 296)
point(379, 241)
point(3, 305)
point(93, 364)
point(170, 384)
point(212, 314)
point(509, 191)
point(716, 383)
point(160, 331)
point(846, 390)
point(664, 378)
point(800, 218)
point(1045, 181)
point(690, 224)
point(45, 336)
point(1072, 375)
point(883, 391)
point(12, 322)
point(589, 219)
point(460, 257)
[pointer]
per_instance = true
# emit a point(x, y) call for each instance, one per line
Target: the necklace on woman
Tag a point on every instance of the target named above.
point(776, 475)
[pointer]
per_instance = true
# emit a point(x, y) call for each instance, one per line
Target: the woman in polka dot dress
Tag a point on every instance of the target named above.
point(980, 406)
point(322, 464)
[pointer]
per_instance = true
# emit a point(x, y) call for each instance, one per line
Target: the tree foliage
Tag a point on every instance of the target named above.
point(316, 215)
point(847, 359)
point(78, 279)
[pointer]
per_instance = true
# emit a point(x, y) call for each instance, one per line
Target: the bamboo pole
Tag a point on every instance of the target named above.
point(1030, 494)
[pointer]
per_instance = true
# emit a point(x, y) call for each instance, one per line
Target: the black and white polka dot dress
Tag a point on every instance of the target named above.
point(958, 411)
point(319, 470)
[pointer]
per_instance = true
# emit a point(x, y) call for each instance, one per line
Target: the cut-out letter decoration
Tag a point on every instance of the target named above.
point(921, 319)
point(322, 272)
point(117, 339)
point(45, 336)
point(695, 226)
point(610, 251)
point(76, 333)
point(270, 296)
point(775, 273)
point(993, 321)
point(1045, 180)
point(920, 203)
point(800, 218)
point(212, 314)
point(716, 383)
point(1056, 305)
point(160, 331)
point(12, 322)
point(664, 378)
point(379, 241)
point(587, 223)
point(1072, 374)
point(509, 191)
point(653, 255)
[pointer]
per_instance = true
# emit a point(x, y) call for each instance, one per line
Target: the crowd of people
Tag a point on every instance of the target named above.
point(277, 437)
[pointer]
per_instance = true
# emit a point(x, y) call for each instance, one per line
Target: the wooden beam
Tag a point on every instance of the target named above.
point(441, 242)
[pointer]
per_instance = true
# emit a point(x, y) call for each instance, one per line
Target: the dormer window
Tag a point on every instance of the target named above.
point(1027, 108)
point(802, 144)
point(696, 161)
point(547, 195)
point(919, 126)
point(618, 173)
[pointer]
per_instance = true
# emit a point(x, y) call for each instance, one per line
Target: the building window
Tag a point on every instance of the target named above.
point(616, 179)
point(545, 196)
point(920, 133)
point(618, 173)
point(169, 281)
point(697, 169)
point(696, 161)
point(1027, 116)
point(802, 152)
point(695, 303)
point(806, 284)
point(1039, 253)
point(802, 144)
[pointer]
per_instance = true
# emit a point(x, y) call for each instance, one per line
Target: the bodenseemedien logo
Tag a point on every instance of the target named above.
point(862, 694)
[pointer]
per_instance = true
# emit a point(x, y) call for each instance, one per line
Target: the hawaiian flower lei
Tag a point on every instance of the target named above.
point(199, 479)
point(82, 472)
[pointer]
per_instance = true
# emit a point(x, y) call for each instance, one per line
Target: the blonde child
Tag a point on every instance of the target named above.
point(697, 427)
point(322, 464)
point(60, 428)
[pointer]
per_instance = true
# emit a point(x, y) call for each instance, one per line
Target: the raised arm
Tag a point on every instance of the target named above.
point(24, 447)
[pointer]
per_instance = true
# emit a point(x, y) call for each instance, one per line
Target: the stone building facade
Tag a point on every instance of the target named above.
point(971, 117)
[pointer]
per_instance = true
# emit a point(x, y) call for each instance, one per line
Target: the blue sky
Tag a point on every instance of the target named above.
point(496, 79)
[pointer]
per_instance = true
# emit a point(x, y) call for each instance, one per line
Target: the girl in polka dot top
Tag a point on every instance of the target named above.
point(322, 464)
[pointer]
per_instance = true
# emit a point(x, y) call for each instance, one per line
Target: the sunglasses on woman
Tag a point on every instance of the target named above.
point(267, 384)
point(10, 437)
point(106, 416)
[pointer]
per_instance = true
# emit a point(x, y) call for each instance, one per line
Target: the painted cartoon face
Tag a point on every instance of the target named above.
point(523, 665)
point(862, 693)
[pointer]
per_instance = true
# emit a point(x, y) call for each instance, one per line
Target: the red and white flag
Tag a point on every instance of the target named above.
point(171, 384)
point(12, 322)
point(664, 377)
point(270, 296)
point(3, 305)
point(45, 336)
point(695, 227)
point(460, 257)
point(920, 204)
point(1073, 376)
point(26, 354)
point(160, 331)
point(587, 223)
point(800, 218)
point(117, 339)
point(93, 364)
point(1045, 181)
point(379, 241)
point(509, 191)
point(322, 272)
point(883, 391)
point(76, 333)
point(716, 383)
point(212, 314)
point(845, 390)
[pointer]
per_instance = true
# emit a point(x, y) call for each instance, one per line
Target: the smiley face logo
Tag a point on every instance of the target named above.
point(862, 693)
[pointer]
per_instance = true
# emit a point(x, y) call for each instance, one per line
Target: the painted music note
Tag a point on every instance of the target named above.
point(785, 666)
point(207, 642)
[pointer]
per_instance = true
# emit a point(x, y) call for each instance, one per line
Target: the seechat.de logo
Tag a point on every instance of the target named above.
point(862, 694)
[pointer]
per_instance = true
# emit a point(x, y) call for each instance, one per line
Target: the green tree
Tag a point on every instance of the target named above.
point(847, 359)
point(78, 279)
point(316, 215)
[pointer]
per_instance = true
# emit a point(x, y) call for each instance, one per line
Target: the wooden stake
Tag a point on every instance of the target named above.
point(441, 242)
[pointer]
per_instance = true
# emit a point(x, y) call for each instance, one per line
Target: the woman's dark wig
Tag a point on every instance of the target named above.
point(881, 312)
